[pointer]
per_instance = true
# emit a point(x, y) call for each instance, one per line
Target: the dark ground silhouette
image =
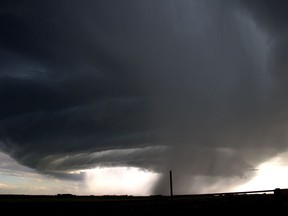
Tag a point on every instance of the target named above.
point(66, 204)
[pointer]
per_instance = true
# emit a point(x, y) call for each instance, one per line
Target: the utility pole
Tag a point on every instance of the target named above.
point(171, 186)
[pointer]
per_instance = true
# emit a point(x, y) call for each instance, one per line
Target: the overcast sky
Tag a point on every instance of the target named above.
point(194, 86)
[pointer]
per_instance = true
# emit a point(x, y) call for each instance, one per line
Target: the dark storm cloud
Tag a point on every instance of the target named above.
point(68, 85)
point(193, 86)
point(270, 15)
point(272, 18)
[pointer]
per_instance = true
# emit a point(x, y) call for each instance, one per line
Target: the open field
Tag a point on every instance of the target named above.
point(147, 205)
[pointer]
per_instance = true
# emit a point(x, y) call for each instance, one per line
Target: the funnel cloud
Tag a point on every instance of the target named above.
point(197, 87)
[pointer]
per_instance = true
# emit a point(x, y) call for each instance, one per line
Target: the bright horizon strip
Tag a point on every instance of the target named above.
point(120, 181)
point(17, 179)
point(270, 175)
